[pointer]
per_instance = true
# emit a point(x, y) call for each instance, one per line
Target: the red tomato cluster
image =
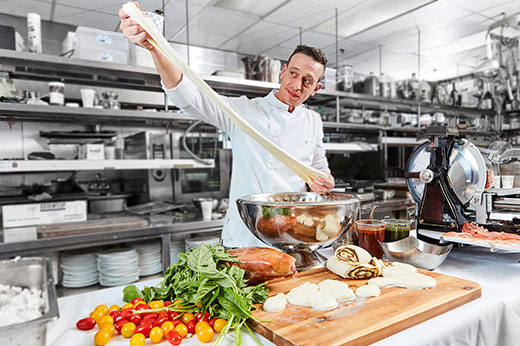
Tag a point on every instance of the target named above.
point(171, 326)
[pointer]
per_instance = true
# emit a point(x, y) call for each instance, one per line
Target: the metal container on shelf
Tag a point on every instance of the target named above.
point(32, 273)
point(371, 85)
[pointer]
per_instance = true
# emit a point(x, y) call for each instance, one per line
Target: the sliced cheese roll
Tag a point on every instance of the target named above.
point(352, 254)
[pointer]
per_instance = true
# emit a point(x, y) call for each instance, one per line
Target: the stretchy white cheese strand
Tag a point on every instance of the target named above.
point(308, 174)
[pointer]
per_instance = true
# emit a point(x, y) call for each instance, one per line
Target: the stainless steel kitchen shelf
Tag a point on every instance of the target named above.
point(79, 71)
point(26, 166)
point(25, 112)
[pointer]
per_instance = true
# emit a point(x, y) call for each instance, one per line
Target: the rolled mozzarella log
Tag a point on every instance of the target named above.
point(338, 267)
point(414, 281)
point(381, 282)
point(275, 303)
point(338, 289)
point(353, 254)
point(368, 291)
point(323, 301)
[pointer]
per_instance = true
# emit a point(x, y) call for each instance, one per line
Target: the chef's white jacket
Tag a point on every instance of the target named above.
point(255, 170)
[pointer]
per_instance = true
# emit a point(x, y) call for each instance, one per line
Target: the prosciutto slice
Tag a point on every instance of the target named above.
point(262, 263)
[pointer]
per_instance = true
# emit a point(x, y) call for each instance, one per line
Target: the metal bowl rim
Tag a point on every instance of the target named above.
point(349, 199)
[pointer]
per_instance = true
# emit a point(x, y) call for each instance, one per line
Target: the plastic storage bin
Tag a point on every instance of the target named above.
point(95, 44)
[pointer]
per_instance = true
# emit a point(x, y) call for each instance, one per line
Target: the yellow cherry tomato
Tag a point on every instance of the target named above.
point(128, 329)
point(107, 319)
point(96, 315)
point(102, 308)
point(102, 337)
point(205, 334)
point(186, 317)
point(127, 306)
point(156, 335)
point(114, 307)
point(201, 325)
point(177, 301)
point(220, 323)
point(137, 340)
point(167, 327)
point(182, 330)
point(137, 303)
point(156, 304)
point(109, 327)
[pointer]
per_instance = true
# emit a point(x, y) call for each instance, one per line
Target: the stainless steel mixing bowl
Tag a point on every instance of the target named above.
point(416, 252)
point(299, 223)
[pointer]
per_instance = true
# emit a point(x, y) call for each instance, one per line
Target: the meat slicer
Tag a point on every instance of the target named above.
point(446, 176)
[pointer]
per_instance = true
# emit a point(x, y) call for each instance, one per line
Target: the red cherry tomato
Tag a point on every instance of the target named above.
point(113, 313)
point(135, 318)
point(202, 317)
point(163, 314)
point(191, 326)
point(167, 303)
point(142, 307)
point(151, 316)
point(174, 338)
point(144, 329)
point(119, 318)
point(173, 314)
point(86, 323)
point(119, 325)
point(135, 300)
point(211, 322)
point(160, 321)
point(176, 322)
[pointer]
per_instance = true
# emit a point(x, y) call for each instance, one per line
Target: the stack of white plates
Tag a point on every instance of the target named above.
point(190, 243)
point(149, 258)
point(79, 270)
point(118, 266)
point(176, 247)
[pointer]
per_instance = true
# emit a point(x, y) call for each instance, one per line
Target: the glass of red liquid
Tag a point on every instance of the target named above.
point(369, 232)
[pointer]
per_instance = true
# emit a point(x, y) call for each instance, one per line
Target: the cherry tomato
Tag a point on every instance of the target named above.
point(174, 338)
point(96, 315)
point(119, 325)
point(156, 304)
point(202, 317)
point(139, 303)
point(135, 318)
point(127, 305)
point(177, 302)
point(182, 330)
point(105, 320)
point(126, 313)
point(120, 318)
point(102, 308)
point(114, 307)
point(128, 330)
point(156, 335)
point(151, 316)
point(211, 322)
point(137, 340)
point(200, 325)
point(177, 322)
point(142, 306)
point(144, 329)
point(205, 334)
point(188, 316)
point(167, 327)
point(86, 323)
point(159, 322)
point(163, 313)
point(167, 303)
point(113, 313)
point(191, 326)
point(110, 328)
point(173, 314)
point(102, 337)
point(219, 324)
point(135, 300)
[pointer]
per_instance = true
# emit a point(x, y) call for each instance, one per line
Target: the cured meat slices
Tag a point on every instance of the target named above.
point(475, 232)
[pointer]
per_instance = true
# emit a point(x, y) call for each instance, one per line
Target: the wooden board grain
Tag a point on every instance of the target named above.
point(363, 321)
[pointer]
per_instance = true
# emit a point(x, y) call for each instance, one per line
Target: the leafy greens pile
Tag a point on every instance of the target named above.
point(204, 282)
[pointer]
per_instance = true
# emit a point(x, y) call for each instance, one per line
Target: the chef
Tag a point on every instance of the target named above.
point(279, 116)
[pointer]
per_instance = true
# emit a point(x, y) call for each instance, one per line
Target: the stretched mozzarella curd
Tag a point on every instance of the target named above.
point(275, 303)
point(368, 291)
point(414, 281)
point(323, 301)
point(337, 289)
point(381, 282)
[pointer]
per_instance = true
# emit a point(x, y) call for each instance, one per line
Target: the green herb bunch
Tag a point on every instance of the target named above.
point(204, 282)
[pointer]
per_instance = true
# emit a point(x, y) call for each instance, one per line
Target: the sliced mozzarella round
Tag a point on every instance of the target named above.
point(275, 303)
point(368, 291)
point(298, 296)
point(381, 282)
point(338, 289)
point(323, 301)
point(414, 281)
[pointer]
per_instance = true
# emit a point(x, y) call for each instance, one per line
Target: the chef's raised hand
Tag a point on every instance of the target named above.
point(133, 31)
point(323, 185)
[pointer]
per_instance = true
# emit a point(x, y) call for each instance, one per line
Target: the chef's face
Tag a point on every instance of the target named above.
point(300, 79)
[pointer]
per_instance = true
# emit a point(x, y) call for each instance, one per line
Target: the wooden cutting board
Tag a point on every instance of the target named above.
point(363, 321)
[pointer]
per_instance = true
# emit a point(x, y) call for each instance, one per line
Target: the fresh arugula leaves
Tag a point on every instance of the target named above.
point(204, 281)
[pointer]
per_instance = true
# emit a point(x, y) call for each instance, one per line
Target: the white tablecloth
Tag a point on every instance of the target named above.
point(493, 319)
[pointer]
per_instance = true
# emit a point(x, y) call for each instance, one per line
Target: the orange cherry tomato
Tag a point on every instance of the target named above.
point(182, 330)
point(167, 327)
point(102, 337)
point(156, 304)
point(107, 319)
point(127, 306)
point(137, 340)
point(188, 316)
point(110, 328)
point(128, 330)
point(156, 335)
point(96, 315)
point(114, 307)
point(219, 324)
point(102, 308)
point(200, 325)
point(205, 334)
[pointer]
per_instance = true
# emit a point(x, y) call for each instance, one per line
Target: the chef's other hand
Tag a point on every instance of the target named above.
point(323, 185)
point(133, 31)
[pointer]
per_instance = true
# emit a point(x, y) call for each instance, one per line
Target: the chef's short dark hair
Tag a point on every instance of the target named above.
point(315, 53)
